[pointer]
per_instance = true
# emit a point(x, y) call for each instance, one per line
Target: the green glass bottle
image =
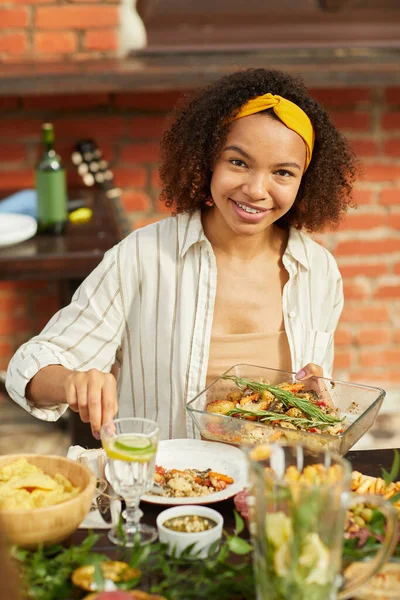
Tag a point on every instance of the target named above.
point(50, 186)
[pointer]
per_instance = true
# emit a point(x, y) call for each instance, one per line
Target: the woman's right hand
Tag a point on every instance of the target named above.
point(93, 395)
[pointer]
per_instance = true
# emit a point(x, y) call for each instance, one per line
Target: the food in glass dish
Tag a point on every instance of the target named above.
point(288, 405)
point(356, 404)
point(23, 486)
point(190, 483)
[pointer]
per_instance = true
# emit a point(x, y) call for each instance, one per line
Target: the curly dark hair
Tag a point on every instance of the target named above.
point(195, 139)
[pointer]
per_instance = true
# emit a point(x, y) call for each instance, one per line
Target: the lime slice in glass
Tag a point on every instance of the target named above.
point(130, 448)
point(133, 444)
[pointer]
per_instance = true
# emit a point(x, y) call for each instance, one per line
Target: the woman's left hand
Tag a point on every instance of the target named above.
point(311, 373)
point(308, 371)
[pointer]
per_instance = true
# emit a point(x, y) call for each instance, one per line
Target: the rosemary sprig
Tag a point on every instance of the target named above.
point(287, 398)
point(273, 416)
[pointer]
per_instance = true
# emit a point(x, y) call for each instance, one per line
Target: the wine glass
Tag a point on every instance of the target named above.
point(131, 446)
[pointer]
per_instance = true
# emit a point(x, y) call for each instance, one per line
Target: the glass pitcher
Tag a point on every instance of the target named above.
point(297, 506)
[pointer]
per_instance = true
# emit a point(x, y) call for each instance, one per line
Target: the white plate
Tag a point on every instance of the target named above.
point(197, 454)
point(16, 228)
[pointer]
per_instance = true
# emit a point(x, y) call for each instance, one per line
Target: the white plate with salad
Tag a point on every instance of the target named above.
point(219, 467)
point(202, 458)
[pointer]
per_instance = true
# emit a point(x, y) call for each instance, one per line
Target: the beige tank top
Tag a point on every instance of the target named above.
point(261, 349)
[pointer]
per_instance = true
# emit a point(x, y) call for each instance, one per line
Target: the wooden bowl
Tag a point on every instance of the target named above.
point(52, 524)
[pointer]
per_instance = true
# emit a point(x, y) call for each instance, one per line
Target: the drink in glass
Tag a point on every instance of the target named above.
point(131, 446)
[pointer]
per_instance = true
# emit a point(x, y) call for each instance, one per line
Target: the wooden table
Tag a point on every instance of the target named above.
point(68, 259)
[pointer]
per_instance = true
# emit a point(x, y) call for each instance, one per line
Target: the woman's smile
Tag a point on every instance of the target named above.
point(249, 212)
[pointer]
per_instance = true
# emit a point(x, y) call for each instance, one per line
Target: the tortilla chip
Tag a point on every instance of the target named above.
point(24, 486)
point(67, 485)
point(35, 481)
point(19, 467)
point(5, 490)
point(18, 500)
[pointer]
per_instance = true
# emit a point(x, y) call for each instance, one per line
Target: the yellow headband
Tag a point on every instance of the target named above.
point(289, 113)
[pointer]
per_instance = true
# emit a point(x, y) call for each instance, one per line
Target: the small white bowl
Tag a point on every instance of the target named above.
point(180, 540)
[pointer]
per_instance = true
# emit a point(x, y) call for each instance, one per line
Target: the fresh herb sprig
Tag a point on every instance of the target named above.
point(389, 477)
point(47, 571)
point(267, 416)
point(287, 398)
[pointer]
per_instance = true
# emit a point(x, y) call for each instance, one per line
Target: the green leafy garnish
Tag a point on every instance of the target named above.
point(376, 524)
point(238, 545)
point(394, 498)
point(98, 576)
point(394, 471)
point(47, 571)
point(352, 552)
point(239, 523)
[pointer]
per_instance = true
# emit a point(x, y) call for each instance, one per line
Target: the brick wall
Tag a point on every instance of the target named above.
point(128, 126)
point(50, 30)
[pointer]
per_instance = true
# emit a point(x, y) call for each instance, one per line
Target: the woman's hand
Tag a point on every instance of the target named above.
point(93, 395)
point(311, 373)
point(308, 371)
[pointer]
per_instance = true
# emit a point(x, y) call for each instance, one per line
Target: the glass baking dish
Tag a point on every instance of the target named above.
point(358, 403)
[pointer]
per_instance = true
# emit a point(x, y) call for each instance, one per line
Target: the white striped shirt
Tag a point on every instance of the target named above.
point(150, 303)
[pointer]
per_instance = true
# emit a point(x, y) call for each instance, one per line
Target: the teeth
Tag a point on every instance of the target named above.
point(248, 209)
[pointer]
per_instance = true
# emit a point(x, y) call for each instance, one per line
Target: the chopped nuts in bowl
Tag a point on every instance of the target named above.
point(182, 526)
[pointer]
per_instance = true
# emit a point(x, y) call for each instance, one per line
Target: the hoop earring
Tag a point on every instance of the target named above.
point(209, 201)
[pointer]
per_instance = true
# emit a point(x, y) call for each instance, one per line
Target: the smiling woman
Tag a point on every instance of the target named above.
point(203, 124)
point(247, 164)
